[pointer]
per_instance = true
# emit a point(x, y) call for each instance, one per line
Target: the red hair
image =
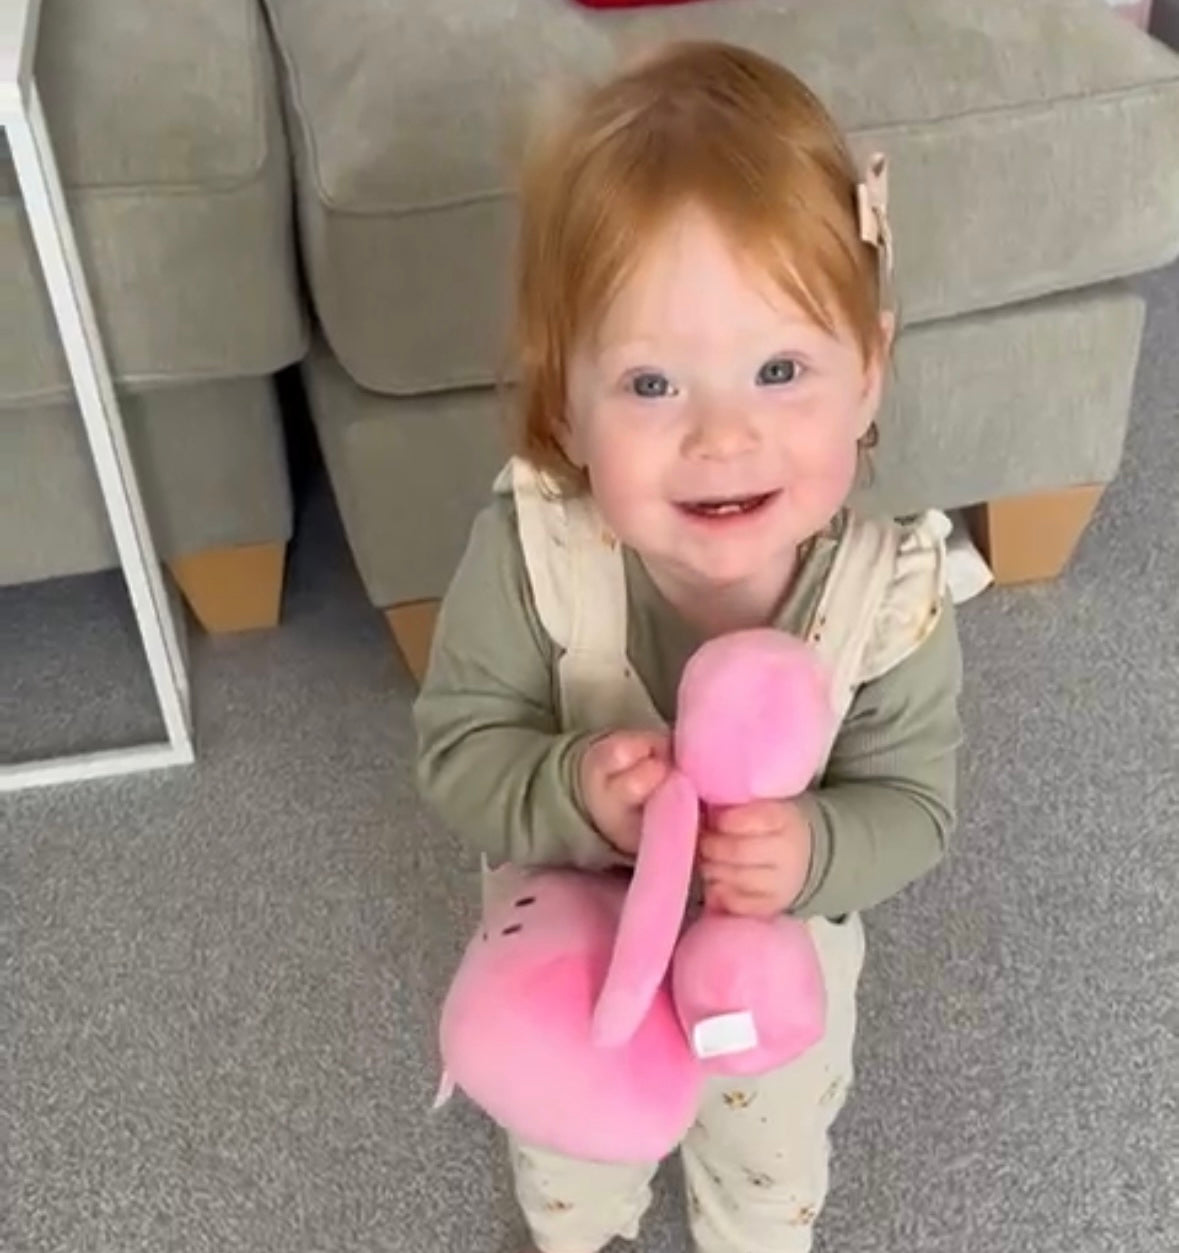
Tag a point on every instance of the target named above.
point(705, 123)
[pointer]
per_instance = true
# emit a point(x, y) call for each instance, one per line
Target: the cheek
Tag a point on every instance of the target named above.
point(823, 454)
point(820, 433)
point(622, 447)
point(625, 461)
point(621, 473)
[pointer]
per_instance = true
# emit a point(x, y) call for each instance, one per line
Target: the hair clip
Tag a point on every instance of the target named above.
point(872, 203)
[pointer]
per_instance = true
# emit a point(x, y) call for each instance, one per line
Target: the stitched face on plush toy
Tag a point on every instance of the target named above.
point(754, 717)
point(515, 1027)
point(546, 908)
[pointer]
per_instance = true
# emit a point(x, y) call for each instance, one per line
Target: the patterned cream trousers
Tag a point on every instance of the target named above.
point(755, 1160)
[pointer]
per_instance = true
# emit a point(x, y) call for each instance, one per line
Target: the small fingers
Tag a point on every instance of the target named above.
point(756, 818)
point(736, 851)
point(625, 749)
point(744, 880)
point(636, 784)
point(730, 899)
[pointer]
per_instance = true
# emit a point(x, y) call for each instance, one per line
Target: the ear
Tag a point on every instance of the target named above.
point(571, 428)
point(874, 374)
point(888, 333)
point(572, 443)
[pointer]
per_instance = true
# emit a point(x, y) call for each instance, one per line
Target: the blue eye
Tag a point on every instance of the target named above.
point(779, 371)
point(650, 385)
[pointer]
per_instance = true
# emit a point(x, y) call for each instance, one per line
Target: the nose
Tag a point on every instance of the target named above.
point(719, 430)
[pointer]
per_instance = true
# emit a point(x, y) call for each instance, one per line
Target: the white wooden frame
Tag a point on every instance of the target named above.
point(23, 121)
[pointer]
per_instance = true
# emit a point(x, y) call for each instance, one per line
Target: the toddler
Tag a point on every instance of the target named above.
point(701, 338)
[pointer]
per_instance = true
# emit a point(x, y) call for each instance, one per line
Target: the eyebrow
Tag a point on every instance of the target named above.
point(648, 344)
point(621, 347)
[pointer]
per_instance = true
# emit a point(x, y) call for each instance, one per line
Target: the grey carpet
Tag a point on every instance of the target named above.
point(219, 984)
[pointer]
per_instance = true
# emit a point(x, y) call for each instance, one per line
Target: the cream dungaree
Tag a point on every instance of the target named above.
point(756, 1158)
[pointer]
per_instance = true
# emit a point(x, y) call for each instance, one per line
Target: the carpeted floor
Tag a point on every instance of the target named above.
point(219, 984)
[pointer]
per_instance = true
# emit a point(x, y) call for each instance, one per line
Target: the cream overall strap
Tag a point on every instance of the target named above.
point(579, 588)
point(882, 598)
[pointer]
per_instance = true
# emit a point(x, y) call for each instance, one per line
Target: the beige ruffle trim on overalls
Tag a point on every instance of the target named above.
point(756, 1158)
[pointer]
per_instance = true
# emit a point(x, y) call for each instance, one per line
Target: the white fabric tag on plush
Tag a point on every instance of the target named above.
point(444, 1093)
point(724, 1034)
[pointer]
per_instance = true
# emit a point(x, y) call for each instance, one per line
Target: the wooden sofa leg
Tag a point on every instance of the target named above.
point(233, 589)
point(1026, 539)
point(412, 625)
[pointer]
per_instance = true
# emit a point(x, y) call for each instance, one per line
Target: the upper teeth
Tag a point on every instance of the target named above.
point(725, 506)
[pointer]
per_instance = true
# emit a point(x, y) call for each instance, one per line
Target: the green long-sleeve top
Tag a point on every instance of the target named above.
point(496, 765)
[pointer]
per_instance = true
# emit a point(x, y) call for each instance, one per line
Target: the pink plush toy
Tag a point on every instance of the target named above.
point(581, 1019)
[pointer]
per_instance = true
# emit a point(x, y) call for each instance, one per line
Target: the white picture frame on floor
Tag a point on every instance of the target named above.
point(39, 181)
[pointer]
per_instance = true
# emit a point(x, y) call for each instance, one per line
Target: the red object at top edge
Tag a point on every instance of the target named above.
point(625, 4)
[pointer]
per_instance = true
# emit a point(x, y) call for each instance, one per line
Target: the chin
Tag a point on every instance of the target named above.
point(721, 570)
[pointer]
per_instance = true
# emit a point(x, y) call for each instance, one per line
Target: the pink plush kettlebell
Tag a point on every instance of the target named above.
point(580, 1019)
point(754, 721)
point(515, 1031)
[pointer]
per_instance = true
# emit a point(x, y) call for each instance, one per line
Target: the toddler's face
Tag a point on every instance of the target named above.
point(717, 422)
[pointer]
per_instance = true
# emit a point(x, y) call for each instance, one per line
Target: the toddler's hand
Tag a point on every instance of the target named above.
point(618, 774)
point(754, 858)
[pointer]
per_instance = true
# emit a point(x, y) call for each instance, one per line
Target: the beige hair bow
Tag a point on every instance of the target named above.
point(872, 204)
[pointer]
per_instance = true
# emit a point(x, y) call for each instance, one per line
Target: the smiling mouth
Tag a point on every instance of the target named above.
point(728, 507)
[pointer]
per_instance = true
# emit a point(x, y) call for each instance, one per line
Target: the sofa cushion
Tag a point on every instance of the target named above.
point(409, 473)
point(212, 469)
point(165, 119)
point(1032, 146)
